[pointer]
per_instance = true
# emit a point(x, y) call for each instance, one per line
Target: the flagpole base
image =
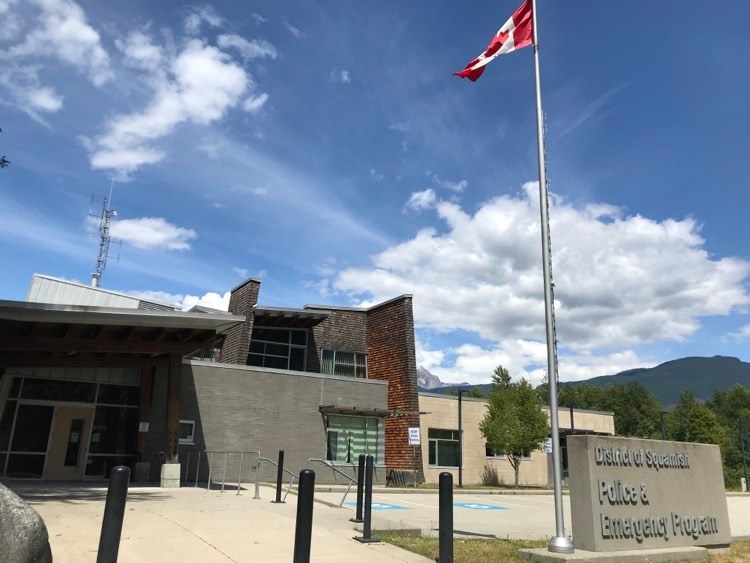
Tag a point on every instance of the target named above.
point(560, 544)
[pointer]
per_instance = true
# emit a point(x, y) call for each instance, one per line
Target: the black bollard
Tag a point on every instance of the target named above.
point(303, 529)
point(445, 534)
point(367, 530)
point(360, 489)
point(279, 477)
point(114, 511)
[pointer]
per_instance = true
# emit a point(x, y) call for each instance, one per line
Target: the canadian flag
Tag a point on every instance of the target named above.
point(517, 32)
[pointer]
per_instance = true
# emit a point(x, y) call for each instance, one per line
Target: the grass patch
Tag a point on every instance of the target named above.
point(501, 551)
point(464, 550)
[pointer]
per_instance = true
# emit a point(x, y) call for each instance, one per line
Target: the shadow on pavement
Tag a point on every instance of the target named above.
point(66, 492)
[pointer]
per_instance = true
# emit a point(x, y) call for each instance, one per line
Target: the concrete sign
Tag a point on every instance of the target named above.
point(628, 493)
point(414, 436)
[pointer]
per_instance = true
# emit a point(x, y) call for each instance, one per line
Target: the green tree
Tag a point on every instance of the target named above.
point(476, 393)
point(692, 421)
point(637, 411)
point(500, 377)
point(582, 396)
point(732, 407)
point(515, 424)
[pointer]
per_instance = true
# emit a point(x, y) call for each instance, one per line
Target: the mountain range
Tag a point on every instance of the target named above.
point(666, 381)
point(429, 382)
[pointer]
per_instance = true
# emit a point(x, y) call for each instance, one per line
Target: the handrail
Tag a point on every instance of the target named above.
point(210, 456)
point(257, 477)
point(336, 470)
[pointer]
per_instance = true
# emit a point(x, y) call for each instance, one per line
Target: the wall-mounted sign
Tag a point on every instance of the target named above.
point(143, 426)
point(548, 445)
point(414, 436)
point(628, 493)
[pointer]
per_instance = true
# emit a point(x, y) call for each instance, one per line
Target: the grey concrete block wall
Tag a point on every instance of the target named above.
point(244, 408)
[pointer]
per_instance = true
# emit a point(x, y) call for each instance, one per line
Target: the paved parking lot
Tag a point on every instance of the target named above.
point(477, 514)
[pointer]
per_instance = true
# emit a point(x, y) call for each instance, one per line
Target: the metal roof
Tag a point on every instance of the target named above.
point(48, 289)
point(84, 314)
point(45, 335)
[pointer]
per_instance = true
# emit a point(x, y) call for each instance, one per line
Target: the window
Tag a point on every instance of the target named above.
point(349, 364)
point(489, 452)
point(443, 447)
point(186, 432)
point(278, 348)
point(350, 436)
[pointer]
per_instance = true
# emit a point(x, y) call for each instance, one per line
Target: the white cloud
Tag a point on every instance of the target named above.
point(58, 30)
point(254, 103)
point(457, 187)
point(12, 23)
point(743, 333)
point(62, 32)
point(258, 19)
point(45, 99)
point(210, 299)
point(200, 15)
point(401, 127)
point(254, 190)
point(157, 296)
point(620, 280)
point(140, 52)
point(376, 176)
point(341, 76)
point(204, 84)
point(185, 302)
point(211, 147)
point(522, 358)
point(257, 48)
point(293, 30)
point(419, 201)
point(241, 272)
point(152, 232)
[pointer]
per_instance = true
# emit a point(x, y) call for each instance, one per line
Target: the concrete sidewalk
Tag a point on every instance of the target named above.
point(196, 525)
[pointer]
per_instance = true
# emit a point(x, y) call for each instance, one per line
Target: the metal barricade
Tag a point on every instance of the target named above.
point(335, 471)
point(224, 459)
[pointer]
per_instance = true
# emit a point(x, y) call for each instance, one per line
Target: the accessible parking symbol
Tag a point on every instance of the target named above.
point(478, 506)
point(382, 506)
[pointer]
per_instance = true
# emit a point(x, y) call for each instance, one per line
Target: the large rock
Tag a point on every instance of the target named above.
point(23, 535)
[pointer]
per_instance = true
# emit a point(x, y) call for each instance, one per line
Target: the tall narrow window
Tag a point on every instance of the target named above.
point(349, 364)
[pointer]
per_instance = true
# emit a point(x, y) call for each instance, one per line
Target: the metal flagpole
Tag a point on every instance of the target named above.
point(559, 543)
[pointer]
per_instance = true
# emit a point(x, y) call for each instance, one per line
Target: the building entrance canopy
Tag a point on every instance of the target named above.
point(41, 335)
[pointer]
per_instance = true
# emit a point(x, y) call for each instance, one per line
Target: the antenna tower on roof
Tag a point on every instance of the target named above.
point(104, 237)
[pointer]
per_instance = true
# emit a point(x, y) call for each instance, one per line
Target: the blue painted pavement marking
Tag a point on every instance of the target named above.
point(478, 506)
point(381, 506)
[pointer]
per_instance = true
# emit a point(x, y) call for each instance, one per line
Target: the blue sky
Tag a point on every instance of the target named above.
point(326, 148)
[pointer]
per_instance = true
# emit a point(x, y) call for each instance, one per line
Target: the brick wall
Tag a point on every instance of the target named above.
point(391, 357)
point(237, 342)
point(345, 331)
